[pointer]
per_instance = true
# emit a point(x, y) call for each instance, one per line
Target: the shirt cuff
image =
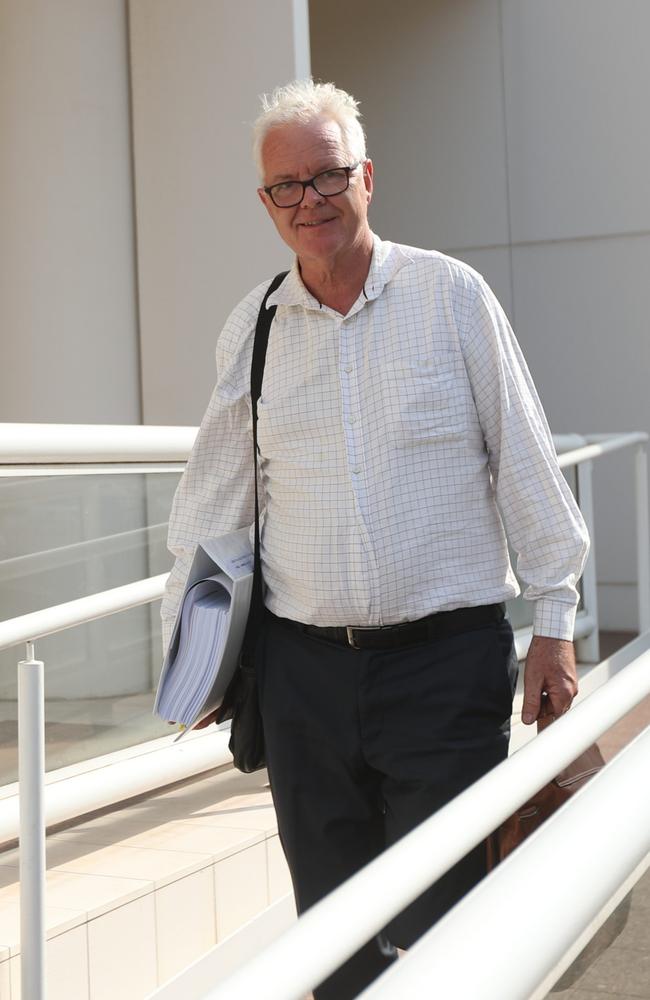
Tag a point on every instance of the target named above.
point(554, 619)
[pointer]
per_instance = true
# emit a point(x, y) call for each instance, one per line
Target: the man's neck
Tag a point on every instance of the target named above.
point(337, 283)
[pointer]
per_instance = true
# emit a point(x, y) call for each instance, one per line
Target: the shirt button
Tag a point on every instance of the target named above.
point(356, 472)
point(348, 369)
point(351, 420)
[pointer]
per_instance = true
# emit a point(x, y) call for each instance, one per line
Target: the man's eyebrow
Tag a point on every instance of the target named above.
point(278, 178)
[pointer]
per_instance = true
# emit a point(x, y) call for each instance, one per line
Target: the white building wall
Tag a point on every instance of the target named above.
point(204, 239)
point(69, 281)
point(510, 133)
point(68, 317)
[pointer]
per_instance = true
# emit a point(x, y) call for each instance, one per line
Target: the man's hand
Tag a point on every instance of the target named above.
point(550, 670)
point(212, 717)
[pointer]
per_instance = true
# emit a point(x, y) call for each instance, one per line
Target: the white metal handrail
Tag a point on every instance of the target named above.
point(332, 930)
point(35, 625)
point(584, 853)
point(600, 444)
point(47, 444)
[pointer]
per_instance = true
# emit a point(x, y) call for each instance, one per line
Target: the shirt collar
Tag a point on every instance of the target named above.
point(387, 259)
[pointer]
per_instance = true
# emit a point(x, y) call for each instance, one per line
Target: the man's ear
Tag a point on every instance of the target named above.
point(368, 178)
point(268, 205)
point(264, 198)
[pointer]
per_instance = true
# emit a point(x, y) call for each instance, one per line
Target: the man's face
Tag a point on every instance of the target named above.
point(319, 229)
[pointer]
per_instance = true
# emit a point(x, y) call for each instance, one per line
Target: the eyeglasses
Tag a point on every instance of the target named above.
point(288, 194)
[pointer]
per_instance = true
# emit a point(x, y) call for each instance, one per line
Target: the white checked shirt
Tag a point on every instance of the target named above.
point(389, 440)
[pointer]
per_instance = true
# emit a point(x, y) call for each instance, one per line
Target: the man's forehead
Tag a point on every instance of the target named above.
point(292, 148)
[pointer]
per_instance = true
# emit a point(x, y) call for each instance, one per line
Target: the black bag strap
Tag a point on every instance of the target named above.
point(262, 329)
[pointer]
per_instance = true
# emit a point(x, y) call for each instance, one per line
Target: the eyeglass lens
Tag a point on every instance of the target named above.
point(329, 183)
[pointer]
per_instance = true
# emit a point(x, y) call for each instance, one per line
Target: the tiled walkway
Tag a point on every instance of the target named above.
point(137, 893)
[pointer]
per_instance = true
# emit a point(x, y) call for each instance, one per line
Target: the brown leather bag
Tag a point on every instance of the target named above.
point(544, 803)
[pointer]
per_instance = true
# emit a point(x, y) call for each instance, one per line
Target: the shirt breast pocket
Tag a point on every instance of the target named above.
point(429, 398)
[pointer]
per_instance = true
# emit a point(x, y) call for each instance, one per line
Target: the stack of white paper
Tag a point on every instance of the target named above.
point(203, 631)
point(209, 630)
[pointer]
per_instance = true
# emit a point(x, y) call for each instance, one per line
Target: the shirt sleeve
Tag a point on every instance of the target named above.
point(216, 492)
point(541, 517)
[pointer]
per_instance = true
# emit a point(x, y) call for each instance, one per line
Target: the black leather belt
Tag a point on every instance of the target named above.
point(437, 626)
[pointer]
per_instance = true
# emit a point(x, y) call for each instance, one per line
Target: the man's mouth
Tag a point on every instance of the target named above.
point(316, 222)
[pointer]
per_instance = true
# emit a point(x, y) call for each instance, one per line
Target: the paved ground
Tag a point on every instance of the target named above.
point(619, 970)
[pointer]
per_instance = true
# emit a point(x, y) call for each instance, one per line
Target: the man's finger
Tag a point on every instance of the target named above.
point(560, 702)
point(532, 703)
point(208, 719)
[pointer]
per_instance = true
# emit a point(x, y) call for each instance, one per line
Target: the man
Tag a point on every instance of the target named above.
point(397, 417)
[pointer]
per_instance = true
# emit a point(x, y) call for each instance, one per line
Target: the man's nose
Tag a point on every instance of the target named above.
point(311, 197)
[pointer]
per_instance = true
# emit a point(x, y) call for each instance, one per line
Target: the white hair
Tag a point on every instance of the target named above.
point(304, 101)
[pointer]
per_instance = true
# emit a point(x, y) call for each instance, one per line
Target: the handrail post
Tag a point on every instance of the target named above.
point(588, 649)
point(643, 536)
point(31, 779)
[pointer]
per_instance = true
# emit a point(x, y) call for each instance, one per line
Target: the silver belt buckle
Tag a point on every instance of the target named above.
point(351, 641)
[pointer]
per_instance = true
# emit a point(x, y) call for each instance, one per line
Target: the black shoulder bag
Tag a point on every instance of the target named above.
point(241, 699)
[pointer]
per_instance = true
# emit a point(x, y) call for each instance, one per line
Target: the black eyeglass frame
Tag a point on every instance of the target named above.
point(312, 183)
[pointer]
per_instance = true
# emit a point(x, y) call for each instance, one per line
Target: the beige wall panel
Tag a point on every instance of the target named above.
point(617, 605)
point(577, 80)
point(428, 75)
point(68, 318)
point(204, 239)
point(582, 319)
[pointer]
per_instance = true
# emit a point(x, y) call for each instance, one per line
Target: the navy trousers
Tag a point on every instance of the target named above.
point(363, 745)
